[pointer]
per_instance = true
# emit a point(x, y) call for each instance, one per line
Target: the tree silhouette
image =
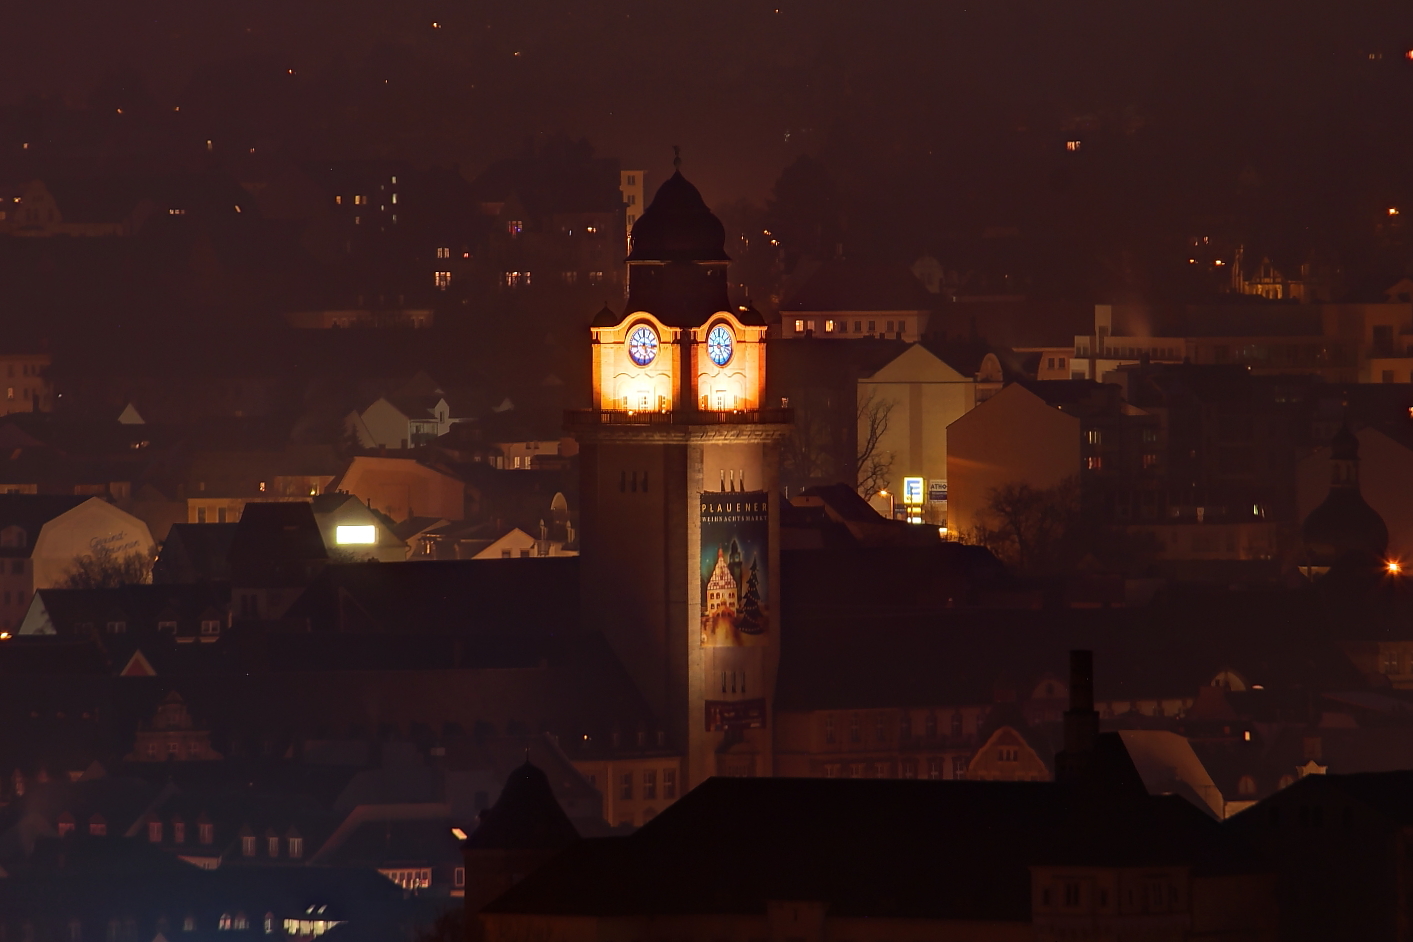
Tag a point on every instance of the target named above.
point(751, 619)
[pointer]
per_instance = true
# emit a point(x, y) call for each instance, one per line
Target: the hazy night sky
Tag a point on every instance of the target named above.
point(958, 92)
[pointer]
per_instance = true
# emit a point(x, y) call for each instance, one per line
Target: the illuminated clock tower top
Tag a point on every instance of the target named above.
point(679, 346)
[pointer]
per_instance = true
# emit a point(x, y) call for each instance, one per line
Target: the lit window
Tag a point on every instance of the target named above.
point(669, 784)
point(274, 846)
point(360, 535)
point(442, 279)
point(394, 199)
point(1072, 145)
point(210, 626)
point(443, 252)
point(799, 326)
point(176, 212)
point(205, 832)
point(515, 227)
point(1094, 463)
point(338, 200)
point(829, 327)
point(296, 848)
point(591, 230)
point(1093, 436)
point(247, 845)
point(154, 832)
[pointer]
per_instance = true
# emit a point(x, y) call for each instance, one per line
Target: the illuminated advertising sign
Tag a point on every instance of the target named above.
point(912, 491)
point(735, 560)
point(936, 491)
point(352, 536)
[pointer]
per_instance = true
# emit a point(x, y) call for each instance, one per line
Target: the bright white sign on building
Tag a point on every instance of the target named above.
point(362, 535)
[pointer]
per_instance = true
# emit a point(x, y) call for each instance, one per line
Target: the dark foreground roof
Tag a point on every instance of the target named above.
point(867, 848)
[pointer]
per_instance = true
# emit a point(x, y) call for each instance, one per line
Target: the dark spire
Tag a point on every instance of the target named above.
point(526, 816)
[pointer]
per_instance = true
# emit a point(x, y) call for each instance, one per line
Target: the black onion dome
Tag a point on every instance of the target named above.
point(678, 227)
point(1344, 525)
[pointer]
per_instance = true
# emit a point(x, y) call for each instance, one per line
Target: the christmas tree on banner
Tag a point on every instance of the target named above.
point(751, 619)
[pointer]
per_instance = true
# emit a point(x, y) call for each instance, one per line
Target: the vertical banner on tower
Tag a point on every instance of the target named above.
point(735, 565)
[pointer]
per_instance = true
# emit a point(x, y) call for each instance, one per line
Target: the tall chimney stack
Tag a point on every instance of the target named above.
point(1081, 721)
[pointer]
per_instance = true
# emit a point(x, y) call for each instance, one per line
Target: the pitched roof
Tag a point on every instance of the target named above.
point(865, 848)
point(527, 816)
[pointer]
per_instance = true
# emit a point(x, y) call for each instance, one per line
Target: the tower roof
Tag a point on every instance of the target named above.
point(526, 816)
point(678, 227)
point(1344, 525)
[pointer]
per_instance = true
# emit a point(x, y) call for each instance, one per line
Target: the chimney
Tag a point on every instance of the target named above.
point(1081, 721)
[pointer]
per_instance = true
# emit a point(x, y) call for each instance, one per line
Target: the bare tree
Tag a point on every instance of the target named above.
point(106, 569)
point(1028, 527)
point(805, 455)
point(1046, 531)
point(873, 467)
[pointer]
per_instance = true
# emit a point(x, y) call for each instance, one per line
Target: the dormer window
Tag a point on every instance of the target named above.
point(210, 627)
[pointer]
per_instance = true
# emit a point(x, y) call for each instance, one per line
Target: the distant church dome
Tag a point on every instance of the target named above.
point(678, 227)
point(1344, 527)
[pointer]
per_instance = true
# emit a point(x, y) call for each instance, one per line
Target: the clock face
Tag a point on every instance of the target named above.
point(720, 345)
point(642, 345)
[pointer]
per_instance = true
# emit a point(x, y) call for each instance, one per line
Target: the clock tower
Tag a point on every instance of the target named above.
point(679, 460)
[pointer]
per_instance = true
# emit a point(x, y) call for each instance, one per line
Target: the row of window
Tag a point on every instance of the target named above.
point(361, 200)
point(832, 326)
point(934, 767)
point(1157, 896)
point(905, 727)
point(522, 279)
point(1097, 463)
point(177, 750)
point(649, 785)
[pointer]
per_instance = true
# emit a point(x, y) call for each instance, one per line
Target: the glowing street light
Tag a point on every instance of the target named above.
point(1393, 567)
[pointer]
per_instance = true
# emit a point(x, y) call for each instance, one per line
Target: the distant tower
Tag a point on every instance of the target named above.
point(1344, 528)
point(678, 381)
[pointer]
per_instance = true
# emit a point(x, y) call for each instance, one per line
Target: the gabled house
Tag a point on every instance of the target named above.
point(43, 538)
point(354, 531)
point(401, 488)
point(172, 736)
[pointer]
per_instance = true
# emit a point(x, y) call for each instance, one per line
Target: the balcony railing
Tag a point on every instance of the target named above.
point(587, 417)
